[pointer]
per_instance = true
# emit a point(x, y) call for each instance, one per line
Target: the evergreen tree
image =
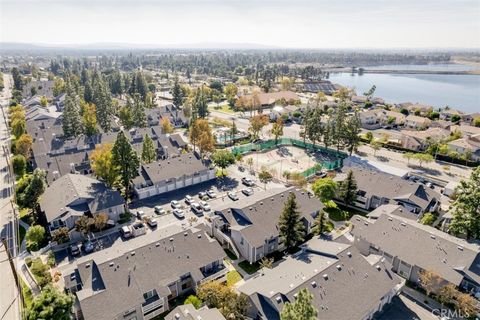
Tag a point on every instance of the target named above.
point(138, 112)
point(319, 224)
point(17, 79)
point(138, 85)
point(125, 159)
point(290, 226)
point(338, 134)
point(351, 132)
point(200, 105)
point(301, 308)
point(103, 101)
point(71, 120)
point(30, 188)
point(148, 150)
point(90, 119)
point(88, 92)
point(348, 189)
point(177, 93)
point(50, 304)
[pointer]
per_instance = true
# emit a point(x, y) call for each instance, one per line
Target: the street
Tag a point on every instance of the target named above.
point(9, 297)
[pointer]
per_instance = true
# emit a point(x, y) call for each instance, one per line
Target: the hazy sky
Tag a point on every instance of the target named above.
point(294, 23)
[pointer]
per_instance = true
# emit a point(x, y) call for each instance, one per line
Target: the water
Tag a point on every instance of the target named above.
point(425, 67)
point(461, 92)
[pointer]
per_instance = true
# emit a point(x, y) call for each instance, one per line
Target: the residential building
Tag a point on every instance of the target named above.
point(40, 88)
point(344, 285)
point(375, 188)
point(172, 173)
point(73, 195)
point(137, 279)
point(270, 98)
point(447, 114)
point(469, 143)
point(468, 118)
point(252, 223)
point(417, 122)
point(412, 108)
point(419, 140)
point(465, 129)
point(422, 248)
point(188, 312)
point(174, 114)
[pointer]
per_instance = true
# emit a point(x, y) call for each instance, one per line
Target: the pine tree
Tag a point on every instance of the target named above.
point(125, 159)
point(138, 112)
point(200, 105)
point(148, 150)
point(351, 132)
point(103, 101)
point(138, 85)
point(319, 225)
point(338, 134)
point(290, 226)
point(177, 93)
point(71, 120)
point(301, 308)
point(348, 189)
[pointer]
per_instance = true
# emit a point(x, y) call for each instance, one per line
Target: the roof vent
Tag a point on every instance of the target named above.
point(171, 239)
point(177, 316)
point(339, 267)
point(378, 267)
point(279, 299)
point(87, 265)
point(325, 276)
point(403, 224)
point(349, 254)
point(314, 284)
point(365, 223)
point(315, 270)
point(157, 244)
point(295, 295)
point(390, 219)
point(261, 203)
point(432, 236)
point(199, 236)
point(133, 253)
point(111, 264)
point(460, 248)
point(185, 234)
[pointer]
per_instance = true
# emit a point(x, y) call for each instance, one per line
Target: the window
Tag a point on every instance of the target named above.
point(149, 294)
point(185, 285)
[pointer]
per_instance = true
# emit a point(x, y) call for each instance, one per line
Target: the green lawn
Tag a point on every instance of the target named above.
point(27, 293)
point(233, 277)
point(222, 108)
point(230, 254)
point(249, 268)
point(342, 213)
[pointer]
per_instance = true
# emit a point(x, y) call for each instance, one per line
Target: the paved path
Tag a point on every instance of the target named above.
point(9, 302)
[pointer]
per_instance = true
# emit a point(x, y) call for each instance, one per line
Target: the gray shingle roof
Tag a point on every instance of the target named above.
point(423, 246)
point(188, 312)
point(351, 289)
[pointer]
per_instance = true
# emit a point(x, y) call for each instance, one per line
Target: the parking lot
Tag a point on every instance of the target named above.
point(168, 223)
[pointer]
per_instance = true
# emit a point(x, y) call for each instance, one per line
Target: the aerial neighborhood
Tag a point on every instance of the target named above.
point(216, 185)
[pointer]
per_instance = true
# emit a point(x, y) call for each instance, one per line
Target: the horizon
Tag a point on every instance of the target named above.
point(279, 24)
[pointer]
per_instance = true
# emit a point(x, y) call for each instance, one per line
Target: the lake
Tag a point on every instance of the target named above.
point(461, 92)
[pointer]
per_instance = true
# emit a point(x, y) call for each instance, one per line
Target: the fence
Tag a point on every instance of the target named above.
point(270, 144)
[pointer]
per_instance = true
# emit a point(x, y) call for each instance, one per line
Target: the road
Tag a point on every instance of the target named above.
point(9, 298)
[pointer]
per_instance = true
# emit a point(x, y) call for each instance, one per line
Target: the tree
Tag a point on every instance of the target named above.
point(61, 235)
point(23, 145)
point(177, 93)
point(348, 189)
point(50, 304)
point(408, 156)
point(138, 112)
point(376, 145)
point(194, 300)
point(43, 101)
point(301, 308)
point(428, 218)
point(103, 101)
point(149, 154)
point(90, 119)
point(125, 160)
point(277, 129)
point(466, 208)
point(126, 117)
point(319, 224)
point(18, 127)
point(256, 125)
point(369, 136)
point(423, 157)
point(231, 91)
point(71, 120)
point(199, 104)
point(19, 165)
point(324, 189)
point(30, 188)
point(84, 224)
point(266, 263)
point(265, 177)
point(228, 302)
point(429, 280)
point(223, 158)
point(468, 305)
point(101, 161)
point(476, 122)
point(100, 221)
point(17, 79)
point(339, 125)
point(166, 125)
point(35, 236)
point(201, 135)
point(448, 294)
point(351, 132)
point(290, 226)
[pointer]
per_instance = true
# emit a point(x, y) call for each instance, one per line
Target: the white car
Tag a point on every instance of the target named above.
point(247, 191)
point(211, 194)
point(140, 214)
point(178, 213)
point(159, 210)
point(196, 208)
point(232, 195)
point(175, 204)
point(188, 199)
point(205, 206)
point(152, 223)
point(248, 182)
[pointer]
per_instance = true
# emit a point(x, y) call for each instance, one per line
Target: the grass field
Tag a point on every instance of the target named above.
point(233, 277)
point(222, 108)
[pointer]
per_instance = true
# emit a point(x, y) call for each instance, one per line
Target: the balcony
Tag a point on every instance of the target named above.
point(214, 273)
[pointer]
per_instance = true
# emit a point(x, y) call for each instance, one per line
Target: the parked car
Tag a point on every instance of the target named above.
point(74, 249)
point(159, 210)
point(138, 229)
point(178, 213)
point(126, 232)
point(248, 182)
point(232, 195)
point(211, 194)
point(152, 223)
point(205, 206)
point(188, 199)
point(321, 174)
point(175, 204)
point(202, 194)
point(196, 208)
point(247, 191)
point(140, 214)
point(88, 246)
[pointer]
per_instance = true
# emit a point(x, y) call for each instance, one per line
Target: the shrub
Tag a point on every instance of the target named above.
point(61, 235)
point(19, 165)
point(35, 237)
point(41, 272)
point(28, 261)
point(197, 303)
point(428, 218)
